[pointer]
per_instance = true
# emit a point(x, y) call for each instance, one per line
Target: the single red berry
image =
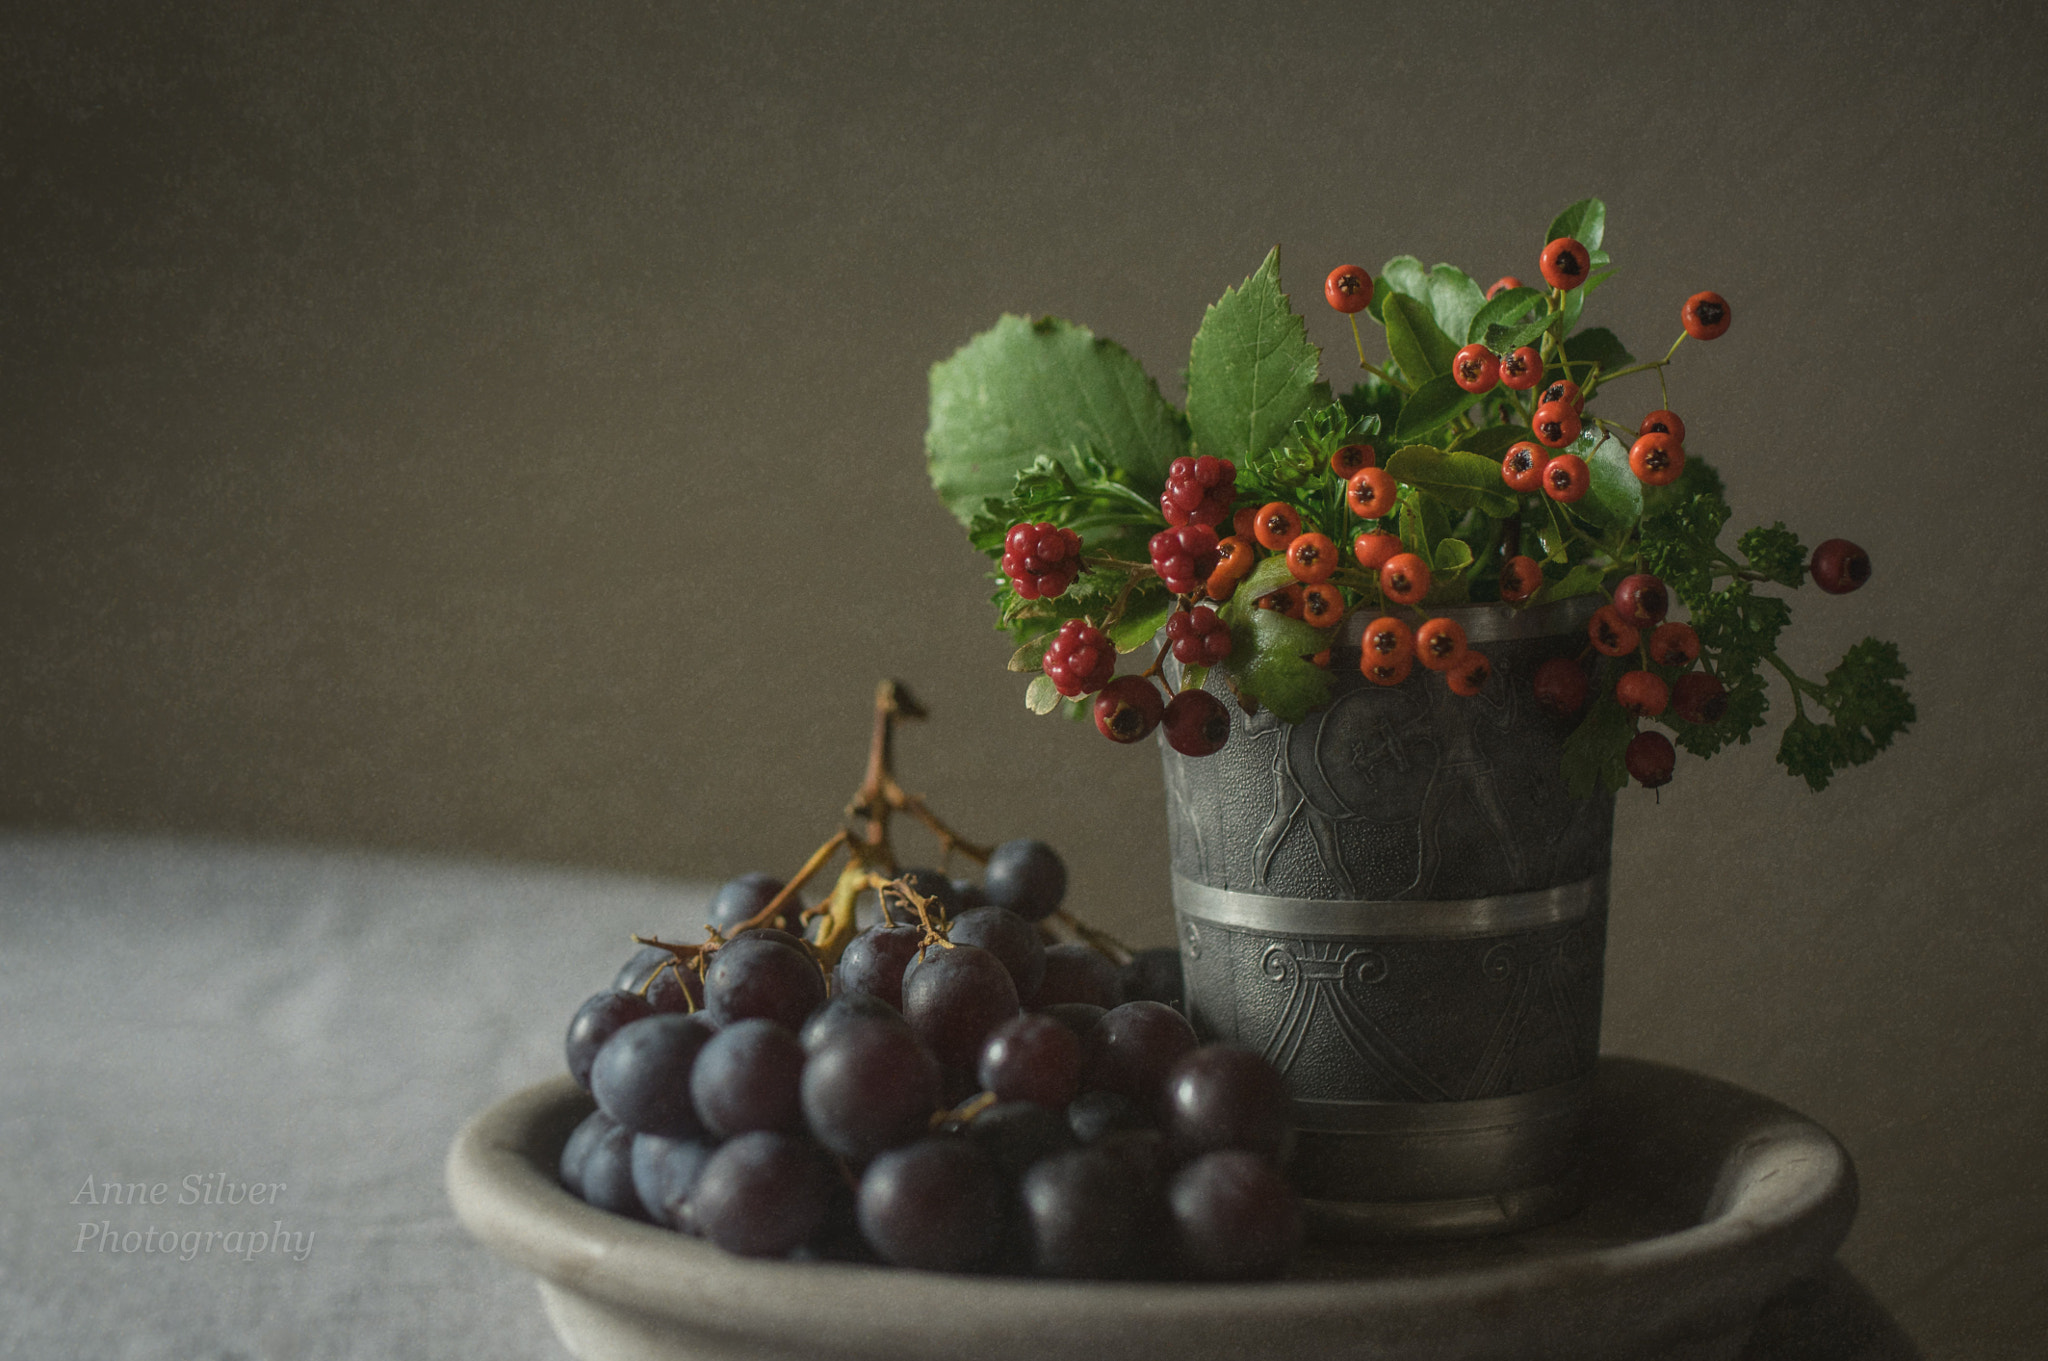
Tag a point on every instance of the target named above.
point(1185, 556)
point(1440, 643)
point(1520, 579)
point(1565, 263)
point(1641, 600)
point(1475, 368)
point(1560, 686)
point(1404, 579)
point(1650, 759)
point(1555, 424)
point(1656, 459)
point(1041, 560)
point(1348, 460)
point(1198, 490)
point(1322, 604)
point(1468, 676)
point(1642, 693)
point(1279, 524)
point(1128, 708)
point(1244, 524)
point(1348, 289)
point(1522, 467)
point(1699, 697)
point(1371, 493)
point(1321, 659)
point(1566, 478)
point(1235, 557)
point(1386, 639)
point(1381, 672)
point(1674, 645)
point(1663, 423)
point(1198, 637)
point(1080, 659)
point(1612, 635)
point(1839, 567)
point(1704, 316)
point(1312, 558)
point(1522, 370)
point(1373, 550)
point(1563, 390)
point(1502, 285)
point(1221, 585)
point(1282, 600)
point(1196, 723)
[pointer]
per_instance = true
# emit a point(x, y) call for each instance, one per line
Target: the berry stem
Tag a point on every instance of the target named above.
point(1065, 926)
point(802, 877)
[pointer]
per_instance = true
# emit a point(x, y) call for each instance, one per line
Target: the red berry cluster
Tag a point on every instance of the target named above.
point(1041, 560)
point(1198, 637)
point(1185, 556)
point(1199, 491)
point(1080, 659)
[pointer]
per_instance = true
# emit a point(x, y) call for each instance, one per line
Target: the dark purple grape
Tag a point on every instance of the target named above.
point(596, 1021)
point(846, 1009)
point(936, 1205)
point(581, 1140)
point(673, 987)
point(1088, 1217)
point(1235, 1218)
point(642, 1076)
point(1009, 938)
point(1221, 1096)
point(1079, 1017)
point(1032, 1058)
point(1019, 1133)
point(953, 998)
point(749, 1077)
point(664, 1173)
point(1154, 976)
point(792, 939)
point(761, 1195)
point(740, 900)
point(927, 883)
point(874, 961)
point(1133, 1047)
point(1078, 973)
point(1027, 877)
point(969, 895)
point(869, 1087)
point(756, 975)
point(608, 1174)
point(1094, 1116)
point(1145, 1152)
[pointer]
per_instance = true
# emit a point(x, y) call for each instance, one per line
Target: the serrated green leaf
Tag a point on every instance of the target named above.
point(1025, 388)
point(1142, 619)
point(1404, 274)
point(1418, 345)
point(1458, 478)
point(1454, 299)
point(1032, 655)
point(1614, 500)
point(1598, 345)
point(1505, 308)
point(1042, 696)
point(1492, 441)
point(1450, 555)
point(1251, 370)
point(1584, 222)
point(1505, 340)
point(1436, 402)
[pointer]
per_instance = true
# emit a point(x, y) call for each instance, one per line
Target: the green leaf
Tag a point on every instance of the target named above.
point(1251, 370)
point(1194, 677)
point(1023, 389)
point(1505, 308)
point(1454, 298)
point(1568, 315)
point(1584, 579)
point(1614, 500)
point(1451, 555)
point(1492, 441)
point(1421, 349)
point(1042, 696)
point(1434, 403)
point(1505, 340)
point(1271, 572)
point(1269, 662)
point(1142, 619)
point(1598, 345)
point(1595, 756)
point(1464, 480)
point(1776, 552)
point(1405, 274)
point(1031, 655)
point(1584, 222)
point(1088, 500)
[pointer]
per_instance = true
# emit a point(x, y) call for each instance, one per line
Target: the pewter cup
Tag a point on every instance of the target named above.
point(1398, 902)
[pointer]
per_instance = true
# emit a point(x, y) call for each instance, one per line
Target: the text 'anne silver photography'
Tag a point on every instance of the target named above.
point(195, 1191)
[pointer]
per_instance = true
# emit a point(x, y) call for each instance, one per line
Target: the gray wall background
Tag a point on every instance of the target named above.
point(497, 430)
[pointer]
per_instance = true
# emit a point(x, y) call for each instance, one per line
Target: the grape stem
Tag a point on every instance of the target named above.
point(1065, 926)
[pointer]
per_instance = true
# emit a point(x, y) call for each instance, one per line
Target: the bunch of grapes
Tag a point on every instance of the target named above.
point(956, 1094)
